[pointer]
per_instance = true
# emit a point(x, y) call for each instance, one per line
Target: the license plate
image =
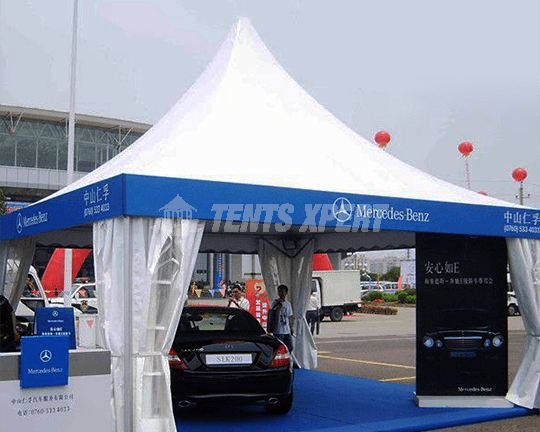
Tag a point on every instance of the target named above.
point(463, 354)
point(228, 359)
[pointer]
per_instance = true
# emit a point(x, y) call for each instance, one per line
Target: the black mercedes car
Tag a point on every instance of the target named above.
point(464, 334)
point(223, 354)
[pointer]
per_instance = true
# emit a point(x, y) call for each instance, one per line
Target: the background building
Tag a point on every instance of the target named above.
point(33, 148)
point(33, 154)
point(33, 165)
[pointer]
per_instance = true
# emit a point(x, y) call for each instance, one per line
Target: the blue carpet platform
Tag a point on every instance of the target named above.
point(326, 402)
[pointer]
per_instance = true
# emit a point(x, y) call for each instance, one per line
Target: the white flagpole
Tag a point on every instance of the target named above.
point(71, 126)
point(71, 146)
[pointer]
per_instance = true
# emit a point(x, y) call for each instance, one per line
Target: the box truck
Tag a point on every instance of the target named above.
point(339, 292)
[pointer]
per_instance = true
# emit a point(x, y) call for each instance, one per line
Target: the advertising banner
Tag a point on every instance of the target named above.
point(317, 211)
point(56, 321)
point(461, 321)
point(102, 200)
point(218, 279)
point(10, 206)
point(259, 302)
point(264, 208)
point(44, 361)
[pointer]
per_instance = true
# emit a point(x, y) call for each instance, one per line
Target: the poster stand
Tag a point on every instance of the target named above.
point(462, 402)
point(461, 322)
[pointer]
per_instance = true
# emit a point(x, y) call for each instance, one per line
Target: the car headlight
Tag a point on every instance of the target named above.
point(498, 341)
point(428, 342)
point(438, 343)
point(487, 343)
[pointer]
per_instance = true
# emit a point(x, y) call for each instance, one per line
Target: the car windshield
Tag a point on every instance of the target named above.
point(454, 319)
point(30, 289)
point(229, 320)
point(86, 291)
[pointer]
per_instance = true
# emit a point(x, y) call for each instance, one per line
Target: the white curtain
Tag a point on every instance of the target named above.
point(143, 269)
point(524, 257)
point(15, 260)
point(292, 268)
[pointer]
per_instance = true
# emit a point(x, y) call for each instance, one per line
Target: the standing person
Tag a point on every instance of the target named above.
point(237, 300)
point(8, 332)
point(313, 311)
point(284, 314)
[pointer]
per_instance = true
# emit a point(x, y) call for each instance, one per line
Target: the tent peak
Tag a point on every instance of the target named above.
point(244, 35)
point(243, 28)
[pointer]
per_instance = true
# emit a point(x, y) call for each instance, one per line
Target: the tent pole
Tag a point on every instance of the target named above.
point(128, 328)
point(68, 261)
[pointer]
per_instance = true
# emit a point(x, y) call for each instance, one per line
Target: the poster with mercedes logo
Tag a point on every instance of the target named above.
point(461, 322)
point(56, 321)
point(44, 361)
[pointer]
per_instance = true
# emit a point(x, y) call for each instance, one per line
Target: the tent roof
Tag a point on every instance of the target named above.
point(246, 135)
point(251, 123)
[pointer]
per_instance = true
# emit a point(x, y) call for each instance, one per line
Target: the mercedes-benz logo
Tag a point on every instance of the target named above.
point(55, 313)
point(45, 356)
point(19, 223)
point(342, 209)
point(228, 347)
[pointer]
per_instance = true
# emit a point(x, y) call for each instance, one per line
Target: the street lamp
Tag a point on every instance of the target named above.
point(466, 148)
point(519, 175)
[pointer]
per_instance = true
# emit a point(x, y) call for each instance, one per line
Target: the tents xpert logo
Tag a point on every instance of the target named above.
point(178, 208)
point(340, 215)
point(342, 209)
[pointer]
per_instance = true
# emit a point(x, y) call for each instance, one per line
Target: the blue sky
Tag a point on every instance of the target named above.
point(432, 73)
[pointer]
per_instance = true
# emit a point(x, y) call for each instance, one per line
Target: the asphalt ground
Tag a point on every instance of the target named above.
point(382, 348)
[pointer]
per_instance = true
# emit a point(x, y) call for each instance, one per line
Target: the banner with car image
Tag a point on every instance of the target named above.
point(461, 321)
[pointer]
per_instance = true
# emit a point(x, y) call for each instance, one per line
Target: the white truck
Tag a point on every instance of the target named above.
point(339, 291)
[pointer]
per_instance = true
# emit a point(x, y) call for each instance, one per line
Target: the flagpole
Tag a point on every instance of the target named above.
point(71, 125)
point(71, 146)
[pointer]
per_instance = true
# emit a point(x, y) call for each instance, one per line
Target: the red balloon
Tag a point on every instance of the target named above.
point(519, 174)
point(382, 138)
point(482, 193)
point(465, 148)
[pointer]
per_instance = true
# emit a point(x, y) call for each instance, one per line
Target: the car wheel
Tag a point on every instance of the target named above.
point(281, 407)
point(512, 310)
point(336, 314)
